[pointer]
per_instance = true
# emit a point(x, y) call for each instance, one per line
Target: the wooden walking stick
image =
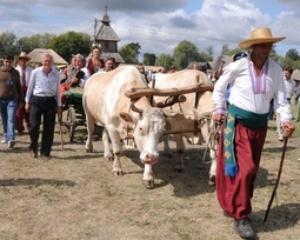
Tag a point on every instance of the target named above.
point(277, 180)
point(60, 131)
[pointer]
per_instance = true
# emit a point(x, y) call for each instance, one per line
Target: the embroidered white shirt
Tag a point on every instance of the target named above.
point(243, 94)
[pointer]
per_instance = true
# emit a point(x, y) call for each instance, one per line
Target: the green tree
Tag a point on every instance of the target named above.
point(136, 47)
point(27, 44)
point(184, 53)
point(204, 57)
point(130, 52)
point(70, 43)
point(225, 49)
point(230, 52)
point(296, 64)
point(164, 60)
point(210, 52)
point(8, 44)
point(287, 62)
point(149, 59)
point(292, 54)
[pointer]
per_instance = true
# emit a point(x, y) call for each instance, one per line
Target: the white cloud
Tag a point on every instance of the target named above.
point(157, 25)
point(287, 24)
point(294, 3)
point(91, 5)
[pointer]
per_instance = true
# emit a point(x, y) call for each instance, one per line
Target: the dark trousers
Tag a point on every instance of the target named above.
point(22, 115)
point(46, 107)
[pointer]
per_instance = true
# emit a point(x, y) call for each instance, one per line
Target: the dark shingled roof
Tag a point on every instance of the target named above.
point(106, 33)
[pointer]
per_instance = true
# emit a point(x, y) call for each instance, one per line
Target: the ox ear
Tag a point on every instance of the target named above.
point(126, 117)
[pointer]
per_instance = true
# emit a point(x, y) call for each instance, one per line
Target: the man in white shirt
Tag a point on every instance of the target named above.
point(25, 74)
point(290, 85)
point(43, 99)
point(254, 81)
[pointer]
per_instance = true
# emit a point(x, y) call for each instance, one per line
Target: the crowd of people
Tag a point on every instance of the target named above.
point(29, 97)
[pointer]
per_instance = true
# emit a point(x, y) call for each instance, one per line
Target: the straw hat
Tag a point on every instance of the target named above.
point(23, 55)
point(260, 35)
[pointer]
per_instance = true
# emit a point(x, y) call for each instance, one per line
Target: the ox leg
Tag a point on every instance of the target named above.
point(148, 178)
point(167, 150)
point(179, 166)
point(117, 149)
point(90, 129)
point(213, 169)
point(207, 136)
point(107, 153)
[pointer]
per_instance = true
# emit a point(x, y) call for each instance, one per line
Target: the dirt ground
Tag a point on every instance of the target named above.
point(75, 196)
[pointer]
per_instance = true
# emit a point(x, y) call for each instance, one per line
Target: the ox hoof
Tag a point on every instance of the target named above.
point(212, 180)
point(89, 150)
point(117, 172)
point(149, 184)
point(109, 158)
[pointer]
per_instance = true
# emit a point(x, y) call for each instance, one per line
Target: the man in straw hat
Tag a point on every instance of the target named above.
point(25, 74)
point(255, 80)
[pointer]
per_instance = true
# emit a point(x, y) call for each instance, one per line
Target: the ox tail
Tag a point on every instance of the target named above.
point(84, 102)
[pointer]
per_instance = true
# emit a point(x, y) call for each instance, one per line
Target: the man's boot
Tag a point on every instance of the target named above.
point(244, 229)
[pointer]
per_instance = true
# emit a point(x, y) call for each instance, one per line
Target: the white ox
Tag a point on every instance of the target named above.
point(106, 105)
point(192, 115)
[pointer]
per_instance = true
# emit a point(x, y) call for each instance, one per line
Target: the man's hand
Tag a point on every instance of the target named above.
point(218, 117)
point(288, 129)
point(27, 107)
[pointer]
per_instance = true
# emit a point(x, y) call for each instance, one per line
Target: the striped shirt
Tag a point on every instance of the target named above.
point(44, 85)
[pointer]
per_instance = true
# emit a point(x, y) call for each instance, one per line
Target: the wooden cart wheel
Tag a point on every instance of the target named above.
point(71, 123)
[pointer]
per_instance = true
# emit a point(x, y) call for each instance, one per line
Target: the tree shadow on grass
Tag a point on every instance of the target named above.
point(280, 217)
point(191, 182)
point(262, 179)
point(18, 149)
point(65, 149)
point(35, 182)
point(78, 157)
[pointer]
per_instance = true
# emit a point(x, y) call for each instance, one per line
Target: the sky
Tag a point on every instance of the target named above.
point(159, 25)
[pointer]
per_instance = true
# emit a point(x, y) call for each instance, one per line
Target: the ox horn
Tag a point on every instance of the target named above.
point(171, 100)
point(135, 109)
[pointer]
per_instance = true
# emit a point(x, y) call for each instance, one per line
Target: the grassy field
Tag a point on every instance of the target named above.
point(75, 196)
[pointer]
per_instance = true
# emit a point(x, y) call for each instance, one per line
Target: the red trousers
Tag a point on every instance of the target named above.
point(21, 115)
point(235, 193)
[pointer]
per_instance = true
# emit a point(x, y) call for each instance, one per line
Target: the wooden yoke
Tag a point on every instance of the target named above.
point(136, 93)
